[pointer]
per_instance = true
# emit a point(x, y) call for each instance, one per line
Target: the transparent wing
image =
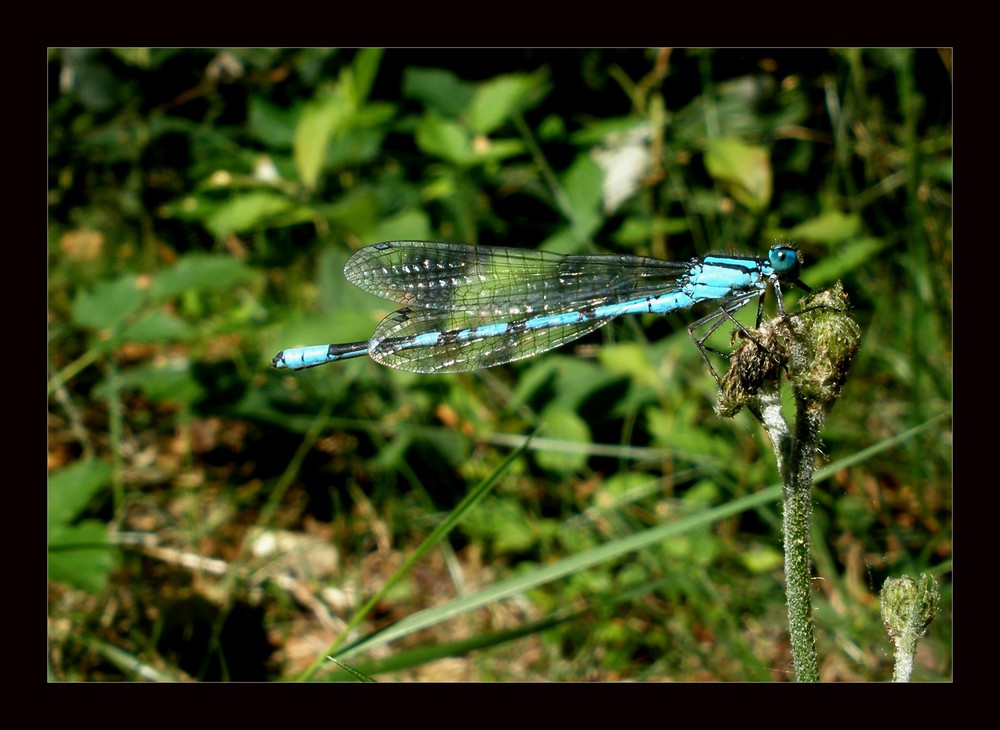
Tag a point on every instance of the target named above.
point(504, 282)
point(441, 341)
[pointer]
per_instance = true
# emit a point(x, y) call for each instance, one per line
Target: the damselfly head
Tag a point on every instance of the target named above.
point(785, 259)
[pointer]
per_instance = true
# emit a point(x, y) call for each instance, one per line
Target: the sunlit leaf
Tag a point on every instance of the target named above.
point(439, 90)
point(321, 119)
point(109, 304)
point(365, 68)
point(248, 211)
point(445, 139)
point(498, 99)
point(200, 272)
point(584, 184)
point(832, 225)
point(848, 258)
point(71, 489)
point(744, 168)
point(564, 425)
point(159, 326)
point(81, 556)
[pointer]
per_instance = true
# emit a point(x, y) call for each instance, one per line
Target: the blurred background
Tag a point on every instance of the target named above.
point(212, 518)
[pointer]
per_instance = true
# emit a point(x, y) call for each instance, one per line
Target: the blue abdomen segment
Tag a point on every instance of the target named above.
point(300, 358)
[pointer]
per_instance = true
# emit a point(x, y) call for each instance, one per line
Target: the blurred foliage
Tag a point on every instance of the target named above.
point(212, 518)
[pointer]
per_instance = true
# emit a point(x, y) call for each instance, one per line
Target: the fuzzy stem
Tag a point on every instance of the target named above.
point(815, 347)
point(797, 527)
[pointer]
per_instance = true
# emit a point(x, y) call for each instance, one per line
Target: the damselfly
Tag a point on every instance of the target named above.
point(470, 307)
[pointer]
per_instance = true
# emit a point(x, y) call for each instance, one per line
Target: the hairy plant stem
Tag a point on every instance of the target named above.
point(815, 348)
point(796, 466)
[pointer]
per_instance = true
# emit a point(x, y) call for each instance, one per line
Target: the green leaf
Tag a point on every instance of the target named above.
point(271, 124)
point(320, 120)
point(445, 139)
point(250, 211)
point(564, 425)
point(831, 226)
point(621, 485)
point(584, 186)
point(498, 99)
point(364, 70)
point(584, 183)
point(638, 230)
point(357, 212)
point(81, 556)
point(577, 380)
point(109, 304)
point(411, 224)
point(354, 147)
point(848, 258)
point(503, 523)
point(536, 378)
point(596, 131)
point(159, 326)
point(762, 559)
point(941, 170)
point(632, 360)
point(70, 490)
point(744, 168)
point(489, 150)
point(673, 430)
point(200, 272)
point(439, 90)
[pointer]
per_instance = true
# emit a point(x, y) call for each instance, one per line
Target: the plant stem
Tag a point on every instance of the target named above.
point(796, 479)
point(815, 347)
